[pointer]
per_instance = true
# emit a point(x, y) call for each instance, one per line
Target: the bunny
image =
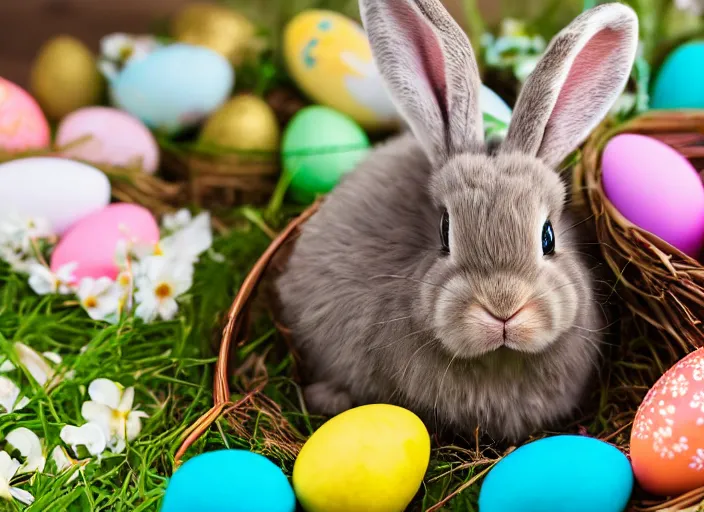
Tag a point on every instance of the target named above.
point(445, 276)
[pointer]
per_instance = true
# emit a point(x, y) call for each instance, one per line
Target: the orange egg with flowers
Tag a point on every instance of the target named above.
point(667, 439)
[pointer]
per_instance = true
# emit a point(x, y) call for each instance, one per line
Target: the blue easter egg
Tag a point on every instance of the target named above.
point(559, 474)
point(229, 481)
point(174, 87)
point(680, 82)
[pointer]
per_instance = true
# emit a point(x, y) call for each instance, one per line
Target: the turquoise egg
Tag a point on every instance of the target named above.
point(174, 87)
point(559, 474)
point(229, 481)
point(680, 82)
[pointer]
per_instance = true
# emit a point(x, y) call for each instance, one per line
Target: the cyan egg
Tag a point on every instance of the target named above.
point(560, 473)
point(680, 82)
point(229, 481)
point(174, 87)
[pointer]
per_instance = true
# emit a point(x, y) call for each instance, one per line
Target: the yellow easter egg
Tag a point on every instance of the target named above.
point(329, 57)
point(370, 458)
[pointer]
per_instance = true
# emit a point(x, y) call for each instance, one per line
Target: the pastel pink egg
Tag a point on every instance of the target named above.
point(110, 136)
point(657, 189)
point(23, 125)
point(92, 242)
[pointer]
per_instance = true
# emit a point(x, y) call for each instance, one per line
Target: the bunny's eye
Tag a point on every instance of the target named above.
point(548, 239)
point(445, 231)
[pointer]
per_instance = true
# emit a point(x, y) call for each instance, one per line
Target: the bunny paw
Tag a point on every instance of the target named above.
point(324, 398)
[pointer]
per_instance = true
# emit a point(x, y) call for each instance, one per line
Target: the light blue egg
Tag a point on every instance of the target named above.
point(229, 481)
point(559, 474)
point(174, 87)
point(680, 81)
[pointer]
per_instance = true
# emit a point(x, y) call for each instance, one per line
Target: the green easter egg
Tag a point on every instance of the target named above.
point(320, 145)
point(680, 82)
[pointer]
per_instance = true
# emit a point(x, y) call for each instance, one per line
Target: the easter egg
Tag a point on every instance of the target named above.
point(245, 123)
point(65, 77)
point(174, 87)
point(370, 458)
point(319, 146)
point(103, 135)
point(567, 472)
point(228, 481)
point(492, 105)
point(329, 57)
point(92, 242)
point(678, 84)
point(217, 27)
point(59, 190)
point(667, 437)
point(655, 188)
point(22, 123)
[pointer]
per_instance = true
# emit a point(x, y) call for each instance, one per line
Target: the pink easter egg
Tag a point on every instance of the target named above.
point(92, 241)
point(23, 125)
point(657, 189)
point(110, 136)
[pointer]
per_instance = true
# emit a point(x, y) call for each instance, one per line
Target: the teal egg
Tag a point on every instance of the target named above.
point(559, 474)
point(320, 145)
point(680, 82)
point(174, 87)
point(229, 481)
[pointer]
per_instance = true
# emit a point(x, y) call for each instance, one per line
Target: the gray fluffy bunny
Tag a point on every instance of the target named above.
point(444, 277)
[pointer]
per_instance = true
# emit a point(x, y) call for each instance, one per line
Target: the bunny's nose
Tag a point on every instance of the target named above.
point(504, 317)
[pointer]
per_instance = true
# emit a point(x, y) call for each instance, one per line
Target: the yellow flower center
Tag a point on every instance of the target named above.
point(90, 302)
point(124, 279)
point(158, 251)
point(163, 291)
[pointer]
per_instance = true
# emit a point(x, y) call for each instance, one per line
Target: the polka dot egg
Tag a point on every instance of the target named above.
point(667, 439)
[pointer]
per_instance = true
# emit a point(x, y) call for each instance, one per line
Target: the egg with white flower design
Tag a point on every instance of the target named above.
point(667, 439)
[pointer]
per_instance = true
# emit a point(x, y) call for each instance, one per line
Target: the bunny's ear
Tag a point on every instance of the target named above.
point(429, 69)
point(583, 71)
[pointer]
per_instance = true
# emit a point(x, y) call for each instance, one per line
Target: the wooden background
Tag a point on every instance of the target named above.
point(26, 24)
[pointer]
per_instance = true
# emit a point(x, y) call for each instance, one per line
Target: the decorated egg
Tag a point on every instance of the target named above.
point(678, 84)
point(174, 87)
point(22, 123)
point(245, 123)
point(655, 188)
point(65, 77)
point(217, 27)
point(329, 57)
point(228, 481)
point(667, 437)
point(495, 111)
point(46, 187)
point(567, 472)
point(93, 241)
point(319, 146)
point(103, 135)
point(370, 458)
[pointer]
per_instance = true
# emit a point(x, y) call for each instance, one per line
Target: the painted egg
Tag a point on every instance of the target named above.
point(229, 481)
point(493, 106)
point(174, 87)
point(92, 242)
point(22, 123)
point(46, 187)
point(558, 473)
point(667, 437)
point(678, 84)
point(319, 146)
point(655, 188)
point(328, 56)
point(370, 458)
point(103, 135)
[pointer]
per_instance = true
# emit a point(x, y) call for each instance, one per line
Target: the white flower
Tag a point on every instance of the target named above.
point(30, 447)
point(160, 281)
point(64, 462)
point(38, 365)
point(120, 48)
point(43, 281)
point(110, 408)
point(8, 469)
point(190, 241)
point(19, 231)
point(100, 297)
point(171, 222)
point(90, 435)
point(10, 399)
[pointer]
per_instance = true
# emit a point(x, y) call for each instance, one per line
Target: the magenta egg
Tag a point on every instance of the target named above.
point(92, 242)
point(657, 189)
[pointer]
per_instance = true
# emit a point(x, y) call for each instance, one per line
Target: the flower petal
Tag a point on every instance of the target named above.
point(134, 424)
point(127, 400)
point(89, 435)
point(106, 392)
point(7, 366)
point(10, 396)
point(60, 458)
point(35, 364)
point(168, 309)
point(147, 306)
point(29, 445)
point(53, 357)
point(8, 466)
point(100, 414)
point(21, 496)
